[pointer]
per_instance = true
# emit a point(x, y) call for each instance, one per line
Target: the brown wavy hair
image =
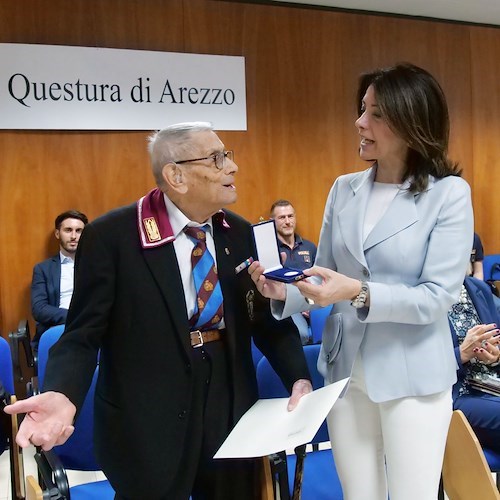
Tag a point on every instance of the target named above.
point(414, 106)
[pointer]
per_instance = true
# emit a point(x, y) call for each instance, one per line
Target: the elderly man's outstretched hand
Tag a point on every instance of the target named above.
point(48, 421)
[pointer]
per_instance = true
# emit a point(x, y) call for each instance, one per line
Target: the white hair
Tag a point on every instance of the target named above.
point(164, 145)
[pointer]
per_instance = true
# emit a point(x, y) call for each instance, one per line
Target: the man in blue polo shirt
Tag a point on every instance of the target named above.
point(300, 253)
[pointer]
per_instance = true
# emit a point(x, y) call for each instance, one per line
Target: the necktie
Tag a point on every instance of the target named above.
point(208, 308)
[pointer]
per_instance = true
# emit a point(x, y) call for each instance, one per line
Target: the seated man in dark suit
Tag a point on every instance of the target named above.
point(52, 283)
point(175, 362)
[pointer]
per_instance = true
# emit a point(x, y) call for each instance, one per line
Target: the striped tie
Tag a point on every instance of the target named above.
point(208, 308)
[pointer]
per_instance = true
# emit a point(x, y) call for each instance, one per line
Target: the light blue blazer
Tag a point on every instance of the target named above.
point(414, 261)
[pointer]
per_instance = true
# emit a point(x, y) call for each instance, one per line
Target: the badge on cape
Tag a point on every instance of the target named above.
point(152, 230)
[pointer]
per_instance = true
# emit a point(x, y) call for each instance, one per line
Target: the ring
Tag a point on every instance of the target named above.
point(309, 301)
point(483, 344)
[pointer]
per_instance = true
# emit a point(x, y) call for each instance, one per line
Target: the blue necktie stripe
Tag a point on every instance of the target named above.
point(203, 269)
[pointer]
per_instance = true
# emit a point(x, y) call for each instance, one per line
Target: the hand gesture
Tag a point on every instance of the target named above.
point(481, 342)
point(48, 421)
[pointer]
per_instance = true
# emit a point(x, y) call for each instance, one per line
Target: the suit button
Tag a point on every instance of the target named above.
point(366, 273)
point(182, 414)
point(188, 368)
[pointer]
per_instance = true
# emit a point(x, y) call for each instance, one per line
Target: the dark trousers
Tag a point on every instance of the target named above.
point(200, 476)
point(483, 413)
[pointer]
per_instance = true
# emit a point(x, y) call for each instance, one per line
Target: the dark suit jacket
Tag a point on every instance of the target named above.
point(130, 303)
point(45, 295)
point(482, 298)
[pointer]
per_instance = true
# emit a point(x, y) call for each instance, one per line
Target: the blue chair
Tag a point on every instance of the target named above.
point(9, 425)
point(317, 318)
point(256, 355)
point(315, 476)
point(77, 453)
point(488, 262)
point(6, 389)
point(6, 370)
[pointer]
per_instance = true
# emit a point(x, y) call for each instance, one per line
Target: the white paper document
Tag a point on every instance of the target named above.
point(268, 427)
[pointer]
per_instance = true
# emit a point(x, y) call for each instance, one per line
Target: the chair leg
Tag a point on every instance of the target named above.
point(280, 472)
point(441, 489)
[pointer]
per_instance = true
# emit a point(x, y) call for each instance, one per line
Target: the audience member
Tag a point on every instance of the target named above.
point(474, 324)
point(476, 259)
point(392, 255)
point(300, 253)
point(52, 283)
point(175, 363)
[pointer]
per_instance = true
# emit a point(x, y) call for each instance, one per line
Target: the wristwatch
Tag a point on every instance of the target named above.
point(360, 300)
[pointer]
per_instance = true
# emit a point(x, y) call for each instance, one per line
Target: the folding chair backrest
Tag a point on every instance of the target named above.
point(466, 474)
point(77, 453)
point(47, 340)
point(491, 267)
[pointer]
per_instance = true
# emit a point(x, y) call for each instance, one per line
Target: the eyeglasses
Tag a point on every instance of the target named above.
point(218, 158)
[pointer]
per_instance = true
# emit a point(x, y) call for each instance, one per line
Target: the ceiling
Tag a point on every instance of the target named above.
point(470, 11)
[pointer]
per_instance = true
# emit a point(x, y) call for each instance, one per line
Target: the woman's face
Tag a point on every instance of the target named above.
point(378, 141)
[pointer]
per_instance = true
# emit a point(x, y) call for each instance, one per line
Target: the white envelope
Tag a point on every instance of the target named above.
point(268, 427)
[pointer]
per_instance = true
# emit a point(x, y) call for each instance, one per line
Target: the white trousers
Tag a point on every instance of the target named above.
point(394, 448)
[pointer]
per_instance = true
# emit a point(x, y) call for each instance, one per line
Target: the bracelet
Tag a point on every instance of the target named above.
point(360, 300)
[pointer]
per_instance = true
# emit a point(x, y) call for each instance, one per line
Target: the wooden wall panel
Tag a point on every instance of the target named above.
point(484, 123)
point(302, 67)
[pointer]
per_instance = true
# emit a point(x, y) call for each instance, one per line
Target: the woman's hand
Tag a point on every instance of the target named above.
point(332, 288)
point(268, 288)
point(481, 342)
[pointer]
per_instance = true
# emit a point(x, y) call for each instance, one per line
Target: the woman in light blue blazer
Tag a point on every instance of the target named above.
point(393, 251)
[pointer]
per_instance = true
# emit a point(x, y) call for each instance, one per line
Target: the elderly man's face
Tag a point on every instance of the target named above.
point(209, 189)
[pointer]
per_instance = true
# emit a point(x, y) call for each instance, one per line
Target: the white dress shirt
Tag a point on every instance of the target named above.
point(67, 280)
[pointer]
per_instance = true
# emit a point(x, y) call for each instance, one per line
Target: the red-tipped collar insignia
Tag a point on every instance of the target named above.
point(152, 220)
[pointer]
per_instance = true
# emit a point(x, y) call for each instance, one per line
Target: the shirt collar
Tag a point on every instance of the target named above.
point(64, 258)
point(160, 221)
point(179, 221)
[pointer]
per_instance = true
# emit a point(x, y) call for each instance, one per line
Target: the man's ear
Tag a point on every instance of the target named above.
point(174, 178)
point(56, 233)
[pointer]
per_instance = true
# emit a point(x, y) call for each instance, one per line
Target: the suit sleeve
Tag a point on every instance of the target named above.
point(42, 310)
point(93, 295)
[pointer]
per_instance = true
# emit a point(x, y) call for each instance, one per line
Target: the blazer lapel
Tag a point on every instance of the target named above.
point(163, 265)
point(401, 214)
point(352, 215)
point(55, 276)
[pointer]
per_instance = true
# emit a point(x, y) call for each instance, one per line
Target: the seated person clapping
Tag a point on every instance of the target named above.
point(474, 324)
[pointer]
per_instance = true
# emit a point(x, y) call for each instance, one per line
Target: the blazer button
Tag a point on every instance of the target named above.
point(182, 414)
point(188, 368)
point(366, 273)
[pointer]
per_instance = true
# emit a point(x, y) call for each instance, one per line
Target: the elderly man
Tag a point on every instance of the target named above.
point(175, 368)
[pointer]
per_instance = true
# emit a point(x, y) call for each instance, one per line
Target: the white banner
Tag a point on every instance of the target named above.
point(84, 88)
